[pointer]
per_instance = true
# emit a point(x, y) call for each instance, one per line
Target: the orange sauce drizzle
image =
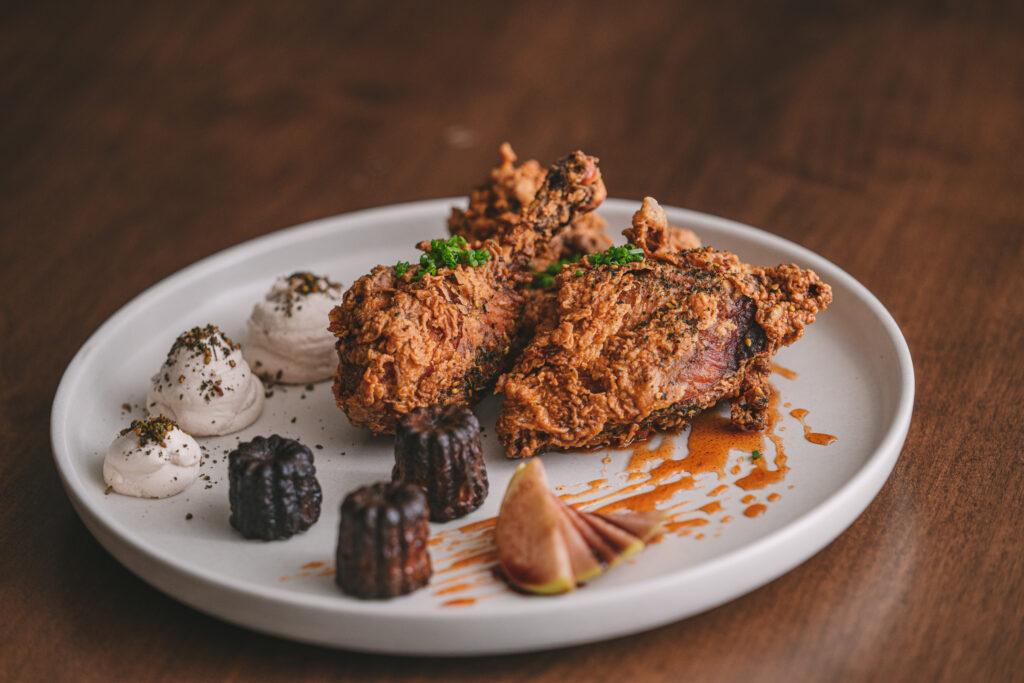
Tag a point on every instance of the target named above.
point(592, 487)
point(462, 602)
point(643, 453)
point(486, 557)
point(672, 527)
point(711, 508)
point(649, 499)
point(459, 602)
point(711, 439)
point(749, 498)
point(755, 510)
point(779, 370)
point(327, 570)
point(712, 436)
point(772, 497)
point(718, 490)
point(760, 476)
point(453, 578)
point(488, 523)
point(813, 437)
point(467, 585)
point(727, 518)
point(473, 549)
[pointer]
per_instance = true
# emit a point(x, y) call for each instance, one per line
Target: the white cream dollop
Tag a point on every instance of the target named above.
point(147, 466)
point(288, 338)
point(206, 385)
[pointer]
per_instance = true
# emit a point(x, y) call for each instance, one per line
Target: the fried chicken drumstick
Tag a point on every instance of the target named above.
point(644, 346)
point(408, 340)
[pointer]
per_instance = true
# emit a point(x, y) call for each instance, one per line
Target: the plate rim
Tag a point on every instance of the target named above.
point(870, 476)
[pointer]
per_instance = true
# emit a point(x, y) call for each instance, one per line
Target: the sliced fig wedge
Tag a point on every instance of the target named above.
point(624, 543)
point(644, 525)
point(584, 561)
point(600, 547)
point(532, 550)
point(546, 546)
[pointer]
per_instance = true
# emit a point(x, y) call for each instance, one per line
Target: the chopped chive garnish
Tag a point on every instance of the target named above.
point(755, 455)
point(545, 278)
point(444, 254)
point(617, 256)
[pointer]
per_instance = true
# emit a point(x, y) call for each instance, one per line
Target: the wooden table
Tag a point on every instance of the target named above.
point(138, 138)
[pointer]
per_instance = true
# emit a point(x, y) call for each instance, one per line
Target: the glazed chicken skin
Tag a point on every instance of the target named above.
point(497, 205)
point(648, 345)
point(409, 341)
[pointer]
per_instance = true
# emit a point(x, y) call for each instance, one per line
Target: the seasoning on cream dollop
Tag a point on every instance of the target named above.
point(151, 458)
point(288, 338)
point(206, 385)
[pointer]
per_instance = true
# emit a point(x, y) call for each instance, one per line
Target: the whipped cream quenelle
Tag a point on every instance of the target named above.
point(288, 338)
point(152, 458)
point(205, 385)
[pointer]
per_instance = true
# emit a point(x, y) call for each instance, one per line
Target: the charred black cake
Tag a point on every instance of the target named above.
point(273, 490)
point(438, 449)
point(382, 542)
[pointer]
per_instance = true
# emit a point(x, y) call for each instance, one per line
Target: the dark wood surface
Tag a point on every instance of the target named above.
point(136, 138)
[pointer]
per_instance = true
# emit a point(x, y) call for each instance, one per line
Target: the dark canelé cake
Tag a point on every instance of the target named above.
point(438, 449)
point(273, 488)
point(382, 542)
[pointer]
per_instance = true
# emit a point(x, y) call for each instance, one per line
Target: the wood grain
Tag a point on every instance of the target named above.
point(139, 137)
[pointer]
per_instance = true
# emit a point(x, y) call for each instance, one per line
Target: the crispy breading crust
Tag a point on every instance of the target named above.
point(542, 304)
point(496, 206)
point(647, 346)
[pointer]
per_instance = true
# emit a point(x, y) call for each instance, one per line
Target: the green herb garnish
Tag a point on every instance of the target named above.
point(444, 254)
point(617, 256)
point(755, 455)
point(545, 278)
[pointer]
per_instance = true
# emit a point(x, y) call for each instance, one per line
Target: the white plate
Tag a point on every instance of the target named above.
point(854, 375)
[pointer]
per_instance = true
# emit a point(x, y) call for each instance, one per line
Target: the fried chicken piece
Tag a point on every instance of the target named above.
point(648, 345)
point(496, 206)
point(443, 340)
